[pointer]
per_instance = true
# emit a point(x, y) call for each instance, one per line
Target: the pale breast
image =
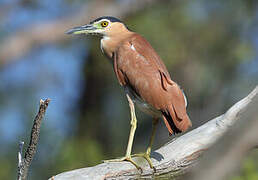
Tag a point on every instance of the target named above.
point(104, 44)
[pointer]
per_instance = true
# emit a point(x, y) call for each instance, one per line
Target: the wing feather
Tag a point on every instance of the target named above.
point(138, 65)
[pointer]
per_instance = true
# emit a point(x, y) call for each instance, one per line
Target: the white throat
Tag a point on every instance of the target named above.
point(102, 42)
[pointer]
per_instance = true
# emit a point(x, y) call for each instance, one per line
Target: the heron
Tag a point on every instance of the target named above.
point(144, 77)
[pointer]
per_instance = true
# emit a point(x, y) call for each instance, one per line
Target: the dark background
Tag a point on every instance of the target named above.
point(209, 47)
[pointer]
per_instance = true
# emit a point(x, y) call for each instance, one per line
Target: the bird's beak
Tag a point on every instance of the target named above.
point(86, 29)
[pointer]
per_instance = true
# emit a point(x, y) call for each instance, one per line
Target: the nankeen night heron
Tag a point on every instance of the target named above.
point(144, 77)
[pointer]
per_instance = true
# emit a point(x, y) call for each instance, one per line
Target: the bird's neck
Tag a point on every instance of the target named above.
point(109, 44)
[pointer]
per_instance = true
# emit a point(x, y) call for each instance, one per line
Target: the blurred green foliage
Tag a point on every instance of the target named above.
point(249, 168)
point(79, 153)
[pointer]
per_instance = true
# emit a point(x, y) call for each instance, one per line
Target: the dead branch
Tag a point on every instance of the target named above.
point(19, 44)
point(176, 156)
point(227, 154)
point(24, 163)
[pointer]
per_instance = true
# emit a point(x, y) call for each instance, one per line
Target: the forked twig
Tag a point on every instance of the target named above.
point(24, 163)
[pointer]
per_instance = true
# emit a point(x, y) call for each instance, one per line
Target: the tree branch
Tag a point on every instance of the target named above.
point(228, 153)
point(24, 163)
point(20, 43)
point(174, 157)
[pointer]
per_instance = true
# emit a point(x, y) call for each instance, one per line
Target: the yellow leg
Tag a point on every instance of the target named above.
point(131, 137)
point(146, 155)
point(133, 126)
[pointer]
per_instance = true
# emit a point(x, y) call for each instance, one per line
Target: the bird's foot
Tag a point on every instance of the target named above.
point(126, 158)
point(146, 156)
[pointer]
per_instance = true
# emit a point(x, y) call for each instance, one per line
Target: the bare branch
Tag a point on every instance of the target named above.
point(21, 43)
point(226, 155)
point(176, 156)
point(20, 158)
point(24, 163)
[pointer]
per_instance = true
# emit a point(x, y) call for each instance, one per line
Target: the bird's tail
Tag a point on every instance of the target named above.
point(174, 123)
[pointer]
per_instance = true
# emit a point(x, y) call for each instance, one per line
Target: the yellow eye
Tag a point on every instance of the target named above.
point(104, 24)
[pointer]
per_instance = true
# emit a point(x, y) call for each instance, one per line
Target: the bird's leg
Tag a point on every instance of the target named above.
point(146, 155)
point(131, 137)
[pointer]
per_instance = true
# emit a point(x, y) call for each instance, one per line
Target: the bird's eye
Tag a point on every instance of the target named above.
point(104, 24)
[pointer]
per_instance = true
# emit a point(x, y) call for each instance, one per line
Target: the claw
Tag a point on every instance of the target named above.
point(129, 159)
point(146, 156)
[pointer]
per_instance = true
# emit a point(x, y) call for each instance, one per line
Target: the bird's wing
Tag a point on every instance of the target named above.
point(137, 65)
point(137, 46)
point(119, 74)
point(143, 47)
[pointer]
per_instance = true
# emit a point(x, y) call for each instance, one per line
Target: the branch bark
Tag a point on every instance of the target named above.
point(176, 156)
point(22, 42)
point(227, 154)
point(24, 163)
